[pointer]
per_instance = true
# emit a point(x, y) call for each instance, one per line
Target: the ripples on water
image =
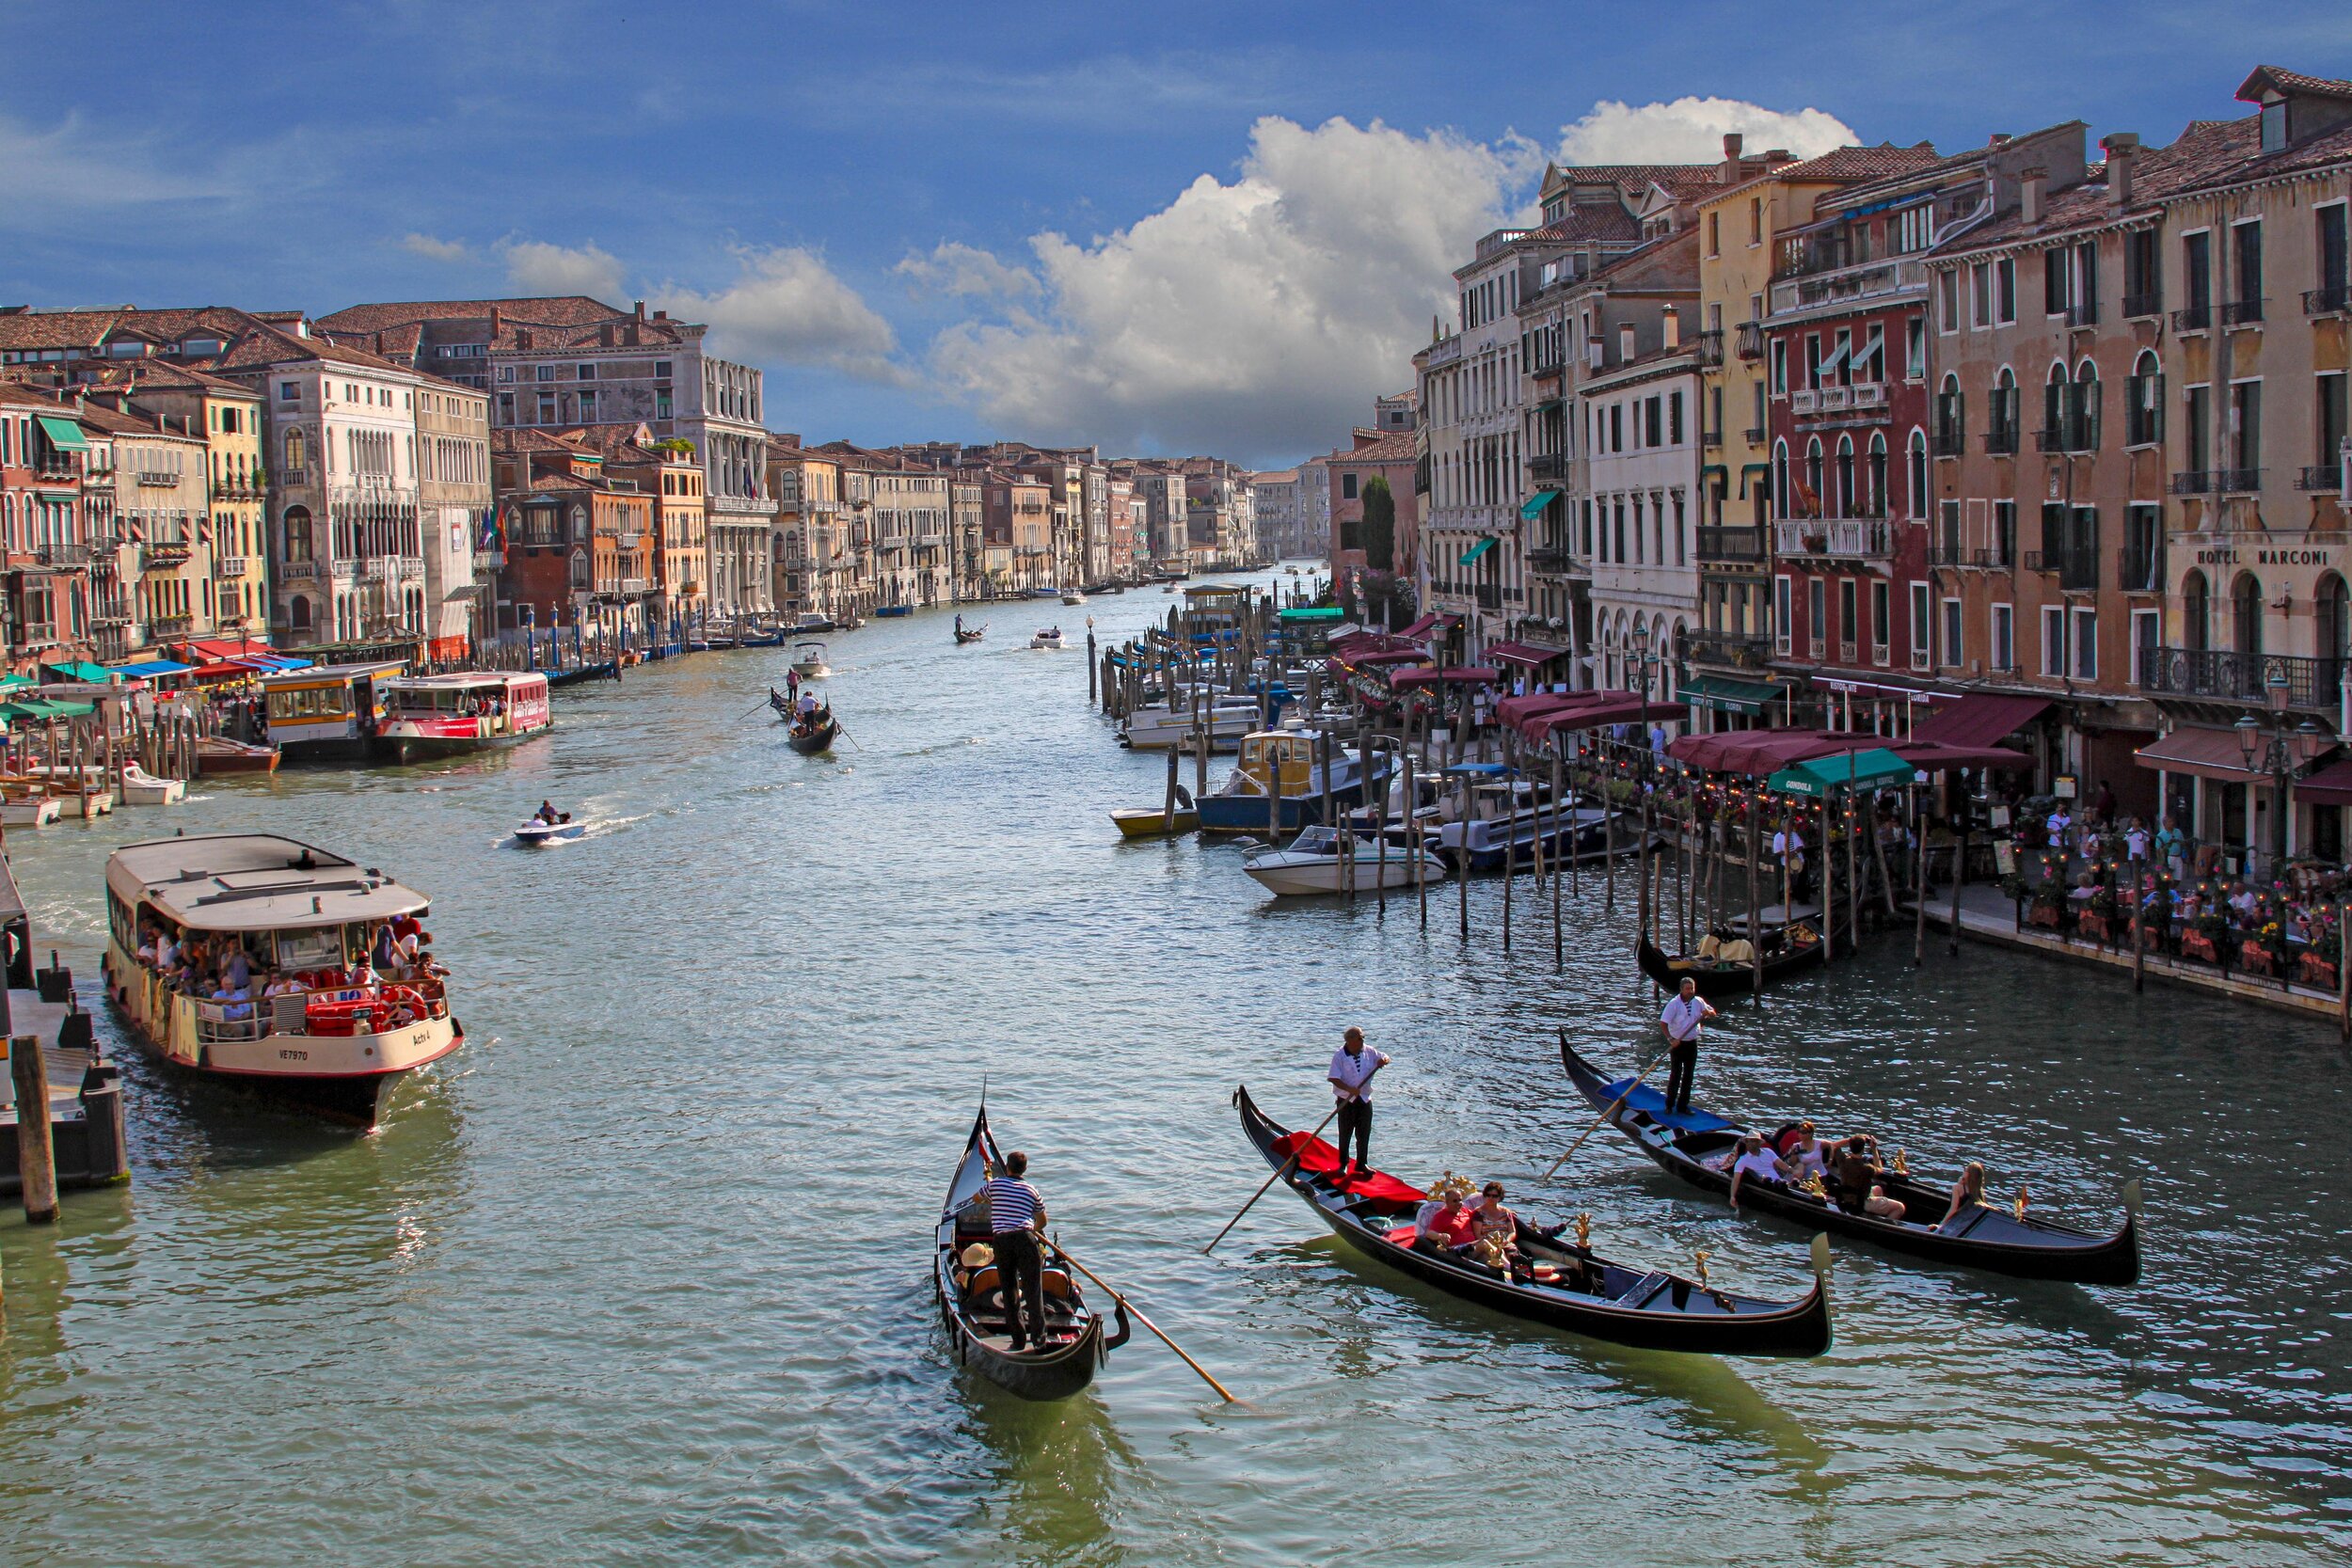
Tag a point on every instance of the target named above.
point(639, 1275)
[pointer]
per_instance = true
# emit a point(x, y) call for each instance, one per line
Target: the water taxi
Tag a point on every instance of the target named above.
point(1290, 757)
point(434, 715)
point(328, 710)
point(314, 1024)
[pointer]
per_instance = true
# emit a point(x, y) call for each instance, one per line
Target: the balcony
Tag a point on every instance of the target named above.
point(1731, 543)
point(1826, 280)
point(2001, 441)
point(2193, 318)
point(1741, 650)
point(1553, 363)
point(160, 626)
point(163, 558)
point(292, 477)
point(1750, 340)
point(636, 586)
point(1958, 557)
point(2139, 569)
point(1710, 438)
point(2068, 434)
point(1944, 441)
point(631, 541)
point(1551, 467)
point(1868, 394)
point(160, 478)
point(2137, 306)
point(1805, 399)
point(232, 565)
point(2241, 313)
point(394, 568)
point(301, 571)
point(2083, 315)
point(2225, 674)
point(2078, 571)
point(1550, 562)
point(1755, 434)
point(1847, 538)
point(1489, 597)
point(1707, 347)
point(2218, 482)
point(65, 555)
point(2333, 300)
point(2321, 476)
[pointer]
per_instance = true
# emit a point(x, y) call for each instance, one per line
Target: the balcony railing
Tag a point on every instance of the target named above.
point(1944, 441)
point(1707, 346)
point(2068, 434)
point(65, 555)
point(1553, 562)
point(232, 565)
point(2333, 300)
point(1756, 433)
point(1750, 344)
point(1547, 469)
point(2321, 476)
point(2001, 441)
point(1710, 438)
point(2139, 569)
point(2193, 318)
point(1945, 553)
point(1869, 539)
point(2149, 304)
point(1731, 543)
point(2226, 675)
point(1489, 597)
point(164, 556)
point(163, 479)
point(2241, 313)
point(170, 625)
point(2078, 571)
point(1740, 649)
point(2082, 315)
point(293, 476)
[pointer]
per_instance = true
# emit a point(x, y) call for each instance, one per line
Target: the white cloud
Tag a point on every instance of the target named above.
point(536, 267)
point(954, 268)
point(1690, 131)
point(71, 165)
point(437, 250)
point(789, 305)
point(1255, 318)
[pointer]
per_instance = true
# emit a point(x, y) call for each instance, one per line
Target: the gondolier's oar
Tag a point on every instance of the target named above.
point(842, 730)
point(768, 701)
point(1136, 1312)
point(1609, 1113)
point(1279, 1172)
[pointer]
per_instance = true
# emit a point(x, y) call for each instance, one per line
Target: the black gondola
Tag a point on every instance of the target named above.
point(1784, 954)
point(1989, 1239)
point(972, 1301)
point(1646, 1308)
point(973, 634)
point(778, 700)
point(815, 737)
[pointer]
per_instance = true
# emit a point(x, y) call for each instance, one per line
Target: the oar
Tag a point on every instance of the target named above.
point(1606, 1114)
point(1136, 1312)
point(1279, 1172)
point(843, 731)
point(764, 703)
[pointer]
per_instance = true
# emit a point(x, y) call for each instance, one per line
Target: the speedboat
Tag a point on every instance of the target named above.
point(1072, 595)
point(808, 662)
point(1047, 637)
point(537, 831)
point(142, 788)
point(1228, 717)
point(1312, 864)
point(1478, 825)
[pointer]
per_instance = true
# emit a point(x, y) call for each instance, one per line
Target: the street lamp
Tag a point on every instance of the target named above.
point(2281, 754)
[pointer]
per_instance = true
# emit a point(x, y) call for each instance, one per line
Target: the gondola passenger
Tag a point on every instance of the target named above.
point(1967, 1192)
point(1755, 1163)
point(1449, 1225)
point(1857, 1190)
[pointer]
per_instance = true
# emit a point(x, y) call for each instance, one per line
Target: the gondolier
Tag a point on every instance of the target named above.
point(1352, 1067)
point(1685, 1013)
point(1015, 1213)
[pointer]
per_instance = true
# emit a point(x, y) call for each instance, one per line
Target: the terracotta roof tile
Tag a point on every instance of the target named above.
point(2291, 82)
point(1862, 163)
point(541, 310)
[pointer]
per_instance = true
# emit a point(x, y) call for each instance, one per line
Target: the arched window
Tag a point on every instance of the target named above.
point(1781, 491)
point(2143, 402)
point(1845, 477)
point(2196, 613)
point(1916, 479)
point(2003, 432)
point(2332, 609)
point(1951, 416)
point(298, 613)
point(580, 524)
point(294, 449)
point(1812, 492)
point(1877, 506)
point(2246, 616)
point(2085, 414)
point(2054, 398)
point(297, 530)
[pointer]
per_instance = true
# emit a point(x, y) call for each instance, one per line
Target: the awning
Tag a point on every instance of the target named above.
point(1837, 358)
point(1725, 695)
point(1978, 719)
point(63, 433)
point(1823, 776)
point(1526, 656)
point(83, 670)
point(1613, 707)
point(15, 683)
point(223, 647)
point(1459, 675)
point(2207, 753)
point(1313, 613)
point(1534, 505)
point(39, 708)
point(1389, 655)
point(147, 667)
point(1476, 551)
point(1518, 712)
point(1432, 625)
point(1763, 753)
point(1858, 687)
point(2331, 786)
point(1929, 757)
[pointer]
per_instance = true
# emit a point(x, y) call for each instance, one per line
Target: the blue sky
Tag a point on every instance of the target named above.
point(1132, 225)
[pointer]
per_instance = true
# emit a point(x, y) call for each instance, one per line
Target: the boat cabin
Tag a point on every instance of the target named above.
point(462, 709)
point(326, 709)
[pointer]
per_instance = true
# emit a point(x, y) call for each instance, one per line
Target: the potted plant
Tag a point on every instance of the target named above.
point(2318, 964)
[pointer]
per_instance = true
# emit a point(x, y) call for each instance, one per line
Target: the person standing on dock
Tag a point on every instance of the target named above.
point(1686, 1012)
point(1016, 1212)
point(1352, 1067)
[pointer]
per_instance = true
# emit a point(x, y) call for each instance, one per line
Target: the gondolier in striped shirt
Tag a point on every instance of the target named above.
point(1015, 1214)
point(1352, 1067)
point(1686, 1011)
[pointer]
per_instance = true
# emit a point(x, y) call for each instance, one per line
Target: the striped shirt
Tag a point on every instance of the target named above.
point(1012, 1205)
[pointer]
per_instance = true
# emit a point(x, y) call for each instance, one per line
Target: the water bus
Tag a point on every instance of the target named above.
point(313, 1024)
point(465, 711)
point(328, 710)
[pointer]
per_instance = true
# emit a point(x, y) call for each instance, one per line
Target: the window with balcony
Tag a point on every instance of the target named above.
point(2327, 474)
point(2246, 435)
point(2143, 289)
point(2245, 266)
point(2147, 642)
point(2196, 312)
point(2143, 549)
point(1916, 476)
point(2143, 404)
point(2001, 636)
point(1849, 621)
point(2003, 407)
point(2330, 297)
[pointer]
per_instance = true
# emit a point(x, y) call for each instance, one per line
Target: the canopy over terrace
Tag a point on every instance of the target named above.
point(1431, 625)
point(1978, 719)
point(1760, 753)
point(1537, 718)
point(1856, 769)
point(1457, 675)
point(1524, 655)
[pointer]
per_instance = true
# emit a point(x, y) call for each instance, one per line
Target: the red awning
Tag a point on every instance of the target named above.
point(1526, 656)
point(1455, 675)
point(1366, 643)
point(2207, 753)
point(1761, 753)
point(226, 648)
point(1430, 625)
point(2331, 786)
point(1617, 709)
point(1512, 709)
point(1934, 758)
point(1388, 656)
point(1978, 719)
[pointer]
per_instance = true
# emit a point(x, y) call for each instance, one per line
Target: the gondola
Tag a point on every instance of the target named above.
point(967, 635)
point(1624, 1304)
point(817, 737)
point(971, 1303)
point(1782, 954)
point(1991, 1238)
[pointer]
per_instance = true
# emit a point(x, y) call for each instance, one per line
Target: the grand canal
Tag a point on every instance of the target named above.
point(638, 1274)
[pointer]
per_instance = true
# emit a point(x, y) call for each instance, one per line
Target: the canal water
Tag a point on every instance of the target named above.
point(639, 1275)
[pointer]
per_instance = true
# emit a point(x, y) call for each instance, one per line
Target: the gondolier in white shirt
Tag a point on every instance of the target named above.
point(1686, 1012)
point(1352, 1067)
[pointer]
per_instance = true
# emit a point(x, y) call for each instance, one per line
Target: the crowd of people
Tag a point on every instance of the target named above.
point(393, 972)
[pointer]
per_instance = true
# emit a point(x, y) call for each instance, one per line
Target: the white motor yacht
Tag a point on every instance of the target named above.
point(1230, 716)
point(1312, 864)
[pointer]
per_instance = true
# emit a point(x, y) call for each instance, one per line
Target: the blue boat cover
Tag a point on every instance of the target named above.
point(1652, 1102)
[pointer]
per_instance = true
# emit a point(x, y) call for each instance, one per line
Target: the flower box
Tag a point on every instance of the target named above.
point(2313, 970)
point(2093, 926)
point(2253, 958)
point(2195, 944)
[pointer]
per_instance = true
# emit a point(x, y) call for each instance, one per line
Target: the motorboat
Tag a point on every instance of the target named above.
point(1311, 863)
point(1287, 764)
point(1493, 820)
point(1156, 822)
point(1227, 717)
point(142, 788)
point(1072, 596)
point(808, 662)
point(335, 1037)
point(809, 623)
point(465, 711)
point(29, 809)
point(217, 754)
point(538, 832)
point(894, 610)
point(1045, 592)
point(1047, 637)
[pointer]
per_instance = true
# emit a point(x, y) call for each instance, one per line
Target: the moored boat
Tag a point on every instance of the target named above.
point(313, 1027)
point(1228, 716)
point(328, 710)
point(972, 1301)
point(1789, 939)
point(1155, 821)
point(1568, 1287)
point(809, 660)
point(1289, 764)
point(462, 711)
point(894, 610)
point(30, 808)
point(217, 754)
point(142, 788)
point(1311, 863)
point(2004, 1241)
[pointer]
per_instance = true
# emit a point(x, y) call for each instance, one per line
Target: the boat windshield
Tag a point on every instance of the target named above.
point(1316, 841)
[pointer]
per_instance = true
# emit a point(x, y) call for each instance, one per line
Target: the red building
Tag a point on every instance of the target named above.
point(1375, 454)
point(1849, 344)
point(44, 550)
point(578, 544)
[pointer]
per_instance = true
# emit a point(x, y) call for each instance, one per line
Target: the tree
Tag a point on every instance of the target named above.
point(1379, 525)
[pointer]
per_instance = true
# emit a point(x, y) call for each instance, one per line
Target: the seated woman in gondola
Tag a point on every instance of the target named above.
point(1967, 1192)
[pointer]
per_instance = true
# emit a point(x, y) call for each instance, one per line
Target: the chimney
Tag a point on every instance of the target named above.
point(1732, 143)
point(604, 334)
point(641, 310)
point(522, 336)
point(494, 322)
point(1624, 342)
point(2123, 150)
point(1592, 258)
point(1674, 327)
point(2029, 189)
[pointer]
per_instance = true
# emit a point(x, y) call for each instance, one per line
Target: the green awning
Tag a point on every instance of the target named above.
point(83, 670)
point(1728, 696)
point(37, 708)
point(1476, 551)
point(63, 433)
point(1312, 612)
point(1845, 771)
point(1747, 469)
point(1535, 504)
point(12, 683)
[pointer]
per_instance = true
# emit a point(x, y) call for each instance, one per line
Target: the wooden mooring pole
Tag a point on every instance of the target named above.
point(36, 1156)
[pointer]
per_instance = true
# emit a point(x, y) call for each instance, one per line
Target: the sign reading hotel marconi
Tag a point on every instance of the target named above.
point(2225, 556)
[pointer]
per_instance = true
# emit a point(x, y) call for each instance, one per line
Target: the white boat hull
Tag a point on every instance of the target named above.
point(37, 813)
point(1287, 874)
point(536, 833)
point(142, 788)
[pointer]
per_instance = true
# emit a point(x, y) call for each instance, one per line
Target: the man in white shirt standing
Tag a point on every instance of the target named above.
point(1686, 1011)
point(1352, 1067)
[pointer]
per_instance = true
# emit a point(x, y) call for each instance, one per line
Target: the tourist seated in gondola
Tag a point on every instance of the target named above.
point(1756, 1163)
point(1446, 1222)
point(1967, 1192)
point(1856, 1189)
point(1801, 1148)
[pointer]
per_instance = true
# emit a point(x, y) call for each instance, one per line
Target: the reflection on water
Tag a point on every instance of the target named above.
point(638, 1275)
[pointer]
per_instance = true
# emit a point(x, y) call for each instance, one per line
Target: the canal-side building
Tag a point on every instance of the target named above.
point(1392, 458)
point(162, 522)
point(578, 542)
point(664, 469)
point(1018, 533)
point(453, 503)
point(44, 549)
point(1640, 416)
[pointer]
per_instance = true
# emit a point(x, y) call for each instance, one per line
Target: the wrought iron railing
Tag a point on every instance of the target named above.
point(2227, 674)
